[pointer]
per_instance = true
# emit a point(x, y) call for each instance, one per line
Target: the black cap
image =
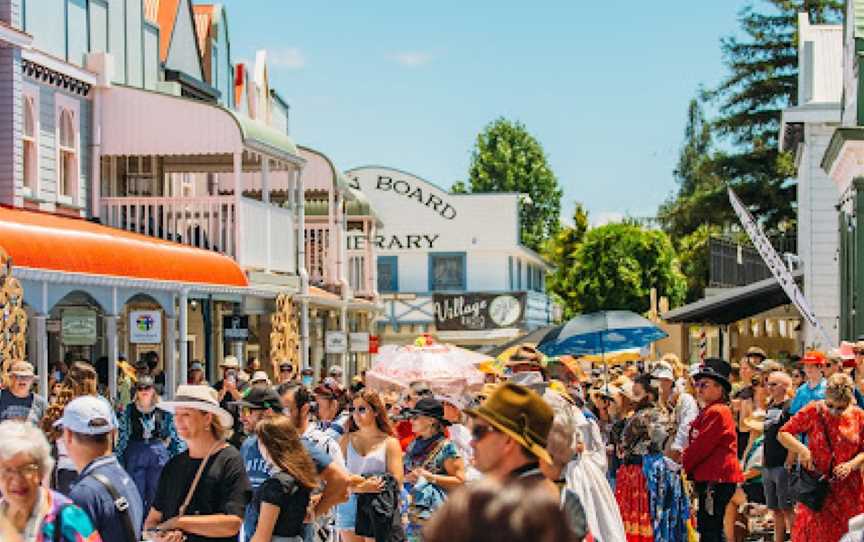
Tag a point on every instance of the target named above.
point(260, 398)
point(429, 407)
point(716, 369)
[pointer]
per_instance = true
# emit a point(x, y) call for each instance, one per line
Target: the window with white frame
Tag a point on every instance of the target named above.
point(30, 140)
point(68, 144)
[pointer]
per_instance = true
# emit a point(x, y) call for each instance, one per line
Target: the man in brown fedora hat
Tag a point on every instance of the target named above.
point(509, 433)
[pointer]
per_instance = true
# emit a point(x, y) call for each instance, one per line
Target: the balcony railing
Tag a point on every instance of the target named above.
point(211, 223)
point(318, 264)
point(734, 264)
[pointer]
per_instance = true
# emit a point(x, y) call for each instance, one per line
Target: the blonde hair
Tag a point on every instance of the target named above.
point(840, 388)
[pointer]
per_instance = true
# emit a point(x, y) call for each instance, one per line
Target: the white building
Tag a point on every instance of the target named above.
point(806, 130)
point(450, 263)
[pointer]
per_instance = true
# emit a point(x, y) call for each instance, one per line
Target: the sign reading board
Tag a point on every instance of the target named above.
point(235, 327)
point(477, 311)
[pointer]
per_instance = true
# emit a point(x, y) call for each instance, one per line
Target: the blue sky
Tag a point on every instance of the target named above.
point(602, 85)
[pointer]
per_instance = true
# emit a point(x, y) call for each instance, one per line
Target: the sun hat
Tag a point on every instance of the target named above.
point(329, 388)
point(529, 379)
point(430, 408)
point(198, 397)
point(626, 389)
point(196, 366)
point(87, 415)
point(21, 368)
point(755, 351)
point(663, 371)
point(520, 414)
point(230, 362)
point(457, 401)
point(609, 391)
point(260, 399)
point(814, 357)
point(259, 376)
point(717, 370)
point(525, 354)
point(145, 381)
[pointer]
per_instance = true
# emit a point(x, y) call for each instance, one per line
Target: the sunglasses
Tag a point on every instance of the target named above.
point(359, 410)
point(480, 431)
point(286, 368)
point(142, 388)
point(246, 411)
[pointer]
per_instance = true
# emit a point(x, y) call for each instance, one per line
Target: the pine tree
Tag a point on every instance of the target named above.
point(762, 82)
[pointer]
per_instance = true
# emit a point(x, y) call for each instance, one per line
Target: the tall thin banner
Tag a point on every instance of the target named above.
point(776, 265)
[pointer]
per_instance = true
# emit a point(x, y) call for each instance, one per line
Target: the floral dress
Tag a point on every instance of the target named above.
point(74, 523)
point(425, 497)
point(846, 498)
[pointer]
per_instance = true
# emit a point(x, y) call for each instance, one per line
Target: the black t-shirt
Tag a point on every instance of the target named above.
point(282, 490)
point(13, 407)
point(223, 488)
point(775, 417)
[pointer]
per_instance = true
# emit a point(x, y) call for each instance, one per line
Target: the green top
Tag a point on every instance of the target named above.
point(271, 140)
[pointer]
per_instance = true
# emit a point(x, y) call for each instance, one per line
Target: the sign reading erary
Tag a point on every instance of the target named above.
point(476, 311)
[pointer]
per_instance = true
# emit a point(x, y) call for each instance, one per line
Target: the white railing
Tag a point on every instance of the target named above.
point(210, 223)
point(358, 277)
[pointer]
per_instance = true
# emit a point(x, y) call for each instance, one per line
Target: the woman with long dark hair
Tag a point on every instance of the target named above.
point(282, 499)
point(370, 450)
point(711, 457)
point(80, 380)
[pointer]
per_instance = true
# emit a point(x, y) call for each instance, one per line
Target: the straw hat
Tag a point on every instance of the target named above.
point(520, 414)
point(198, 397)
point(230, 362)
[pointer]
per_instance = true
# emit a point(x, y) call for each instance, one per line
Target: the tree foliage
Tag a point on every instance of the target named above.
point(615, 266)
point(561, 251)
point(506, 158)
point(762, 60)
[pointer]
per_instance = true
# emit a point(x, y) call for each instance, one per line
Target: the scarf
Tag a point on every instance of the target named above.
point(420, 449)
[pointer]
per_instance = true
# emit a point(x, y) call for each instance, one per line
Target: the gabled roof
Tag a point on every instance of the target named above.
point(166, 15)
point(203, 24)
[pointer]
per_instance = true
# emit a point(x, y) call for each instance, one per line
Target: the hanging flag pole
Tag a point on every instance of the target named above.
point(777, 266)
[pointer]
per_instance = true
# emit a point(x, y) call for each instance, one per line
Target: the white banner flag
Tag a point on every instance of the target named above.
point(776, 265)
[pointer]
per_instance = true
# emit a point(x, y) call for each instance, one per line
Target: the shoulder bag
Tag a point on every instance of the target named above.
point(120, 504)
point(810, 487)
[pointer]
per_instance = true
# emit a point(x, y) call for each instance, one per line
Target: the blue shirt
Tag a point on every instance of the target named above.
point(806, 394)
point(258, 472)
point(94, 498)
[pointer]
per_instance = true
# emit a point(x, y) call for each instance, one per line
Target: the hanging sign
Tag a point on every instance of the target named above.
point(335, 342)
point(78, 327)
point(145, 327)
point(777, 266)
point(359, 342)
point(235, 327)
point(477, 311)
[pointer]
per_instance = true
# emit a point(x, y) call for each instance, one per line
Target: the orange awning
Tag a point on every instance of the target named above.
point(45, 241)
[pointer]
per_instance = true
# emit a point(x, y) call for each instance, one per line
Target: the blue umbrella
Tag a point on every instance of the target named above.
point(600, 332)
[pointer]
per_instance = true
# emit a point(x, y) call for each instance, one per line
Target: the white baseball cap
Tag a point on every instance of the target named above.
point(663, 371)
point(87, 415)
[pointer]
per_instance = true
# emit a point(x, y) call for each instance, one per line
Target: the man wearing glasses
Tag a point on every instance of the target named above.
point(775, 476)
point(286, 372)
point(18, 402)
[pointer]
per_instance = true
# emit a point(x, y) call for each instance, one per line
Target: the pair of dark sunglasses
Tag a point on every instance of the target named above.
point(480, 431)
point(142, 388)
point(360, 410)
point(286, 368)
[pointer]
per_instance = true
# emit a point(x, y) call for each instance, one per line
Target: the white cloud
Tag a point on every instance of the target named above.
point(605, 217)
point(412, 59)
point(291, 58)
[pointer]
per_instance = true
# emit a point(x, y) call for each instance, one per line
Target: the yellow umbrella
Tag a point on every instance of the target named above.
point(614, 358)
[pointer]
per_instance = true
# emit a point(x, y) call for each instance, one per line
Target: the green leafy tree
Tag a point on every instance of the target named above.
point(762, 81)
point(694, 257)
point(618, 264)
point(506, 158)
point(561, 251)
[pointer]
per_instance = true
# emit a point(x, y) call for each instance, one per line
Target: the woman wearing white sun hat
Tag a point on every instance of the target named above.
point(203, 491)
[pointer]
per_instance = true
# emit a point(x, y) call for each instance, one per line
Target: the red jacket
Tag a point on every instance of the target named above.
point(712, 454)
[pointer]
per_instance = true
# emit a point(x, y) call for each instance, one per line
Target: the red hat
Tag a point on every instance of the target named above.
point(814, 357)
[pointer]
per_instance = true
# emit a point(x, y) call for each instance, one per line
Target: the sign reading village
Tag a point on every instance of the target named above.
point(478, 311)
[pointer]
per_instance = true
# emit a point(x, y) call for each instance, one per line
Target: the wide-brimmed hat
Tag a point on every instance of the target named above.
point(525, 354)
point(756, 351)
point(663, 371)
point(196, 366)
point(260, 399)
point(21, 368)
point(529, 379)
point(198, 397)
point(717, 370)
point(259, 376)
point(430, 408)
point(456, 401)
point(230, 362)
point(814, 357)
point(520, 414)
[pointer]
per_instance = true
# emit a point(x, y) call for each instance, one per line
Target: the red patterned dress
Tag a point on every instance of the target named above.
point(846, 498)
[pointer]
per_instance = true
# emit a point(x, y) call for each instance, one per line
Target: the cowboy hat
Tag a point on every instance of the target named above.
point(755, 351)
point(520, 414)
point(525, 354)
point(197, 397)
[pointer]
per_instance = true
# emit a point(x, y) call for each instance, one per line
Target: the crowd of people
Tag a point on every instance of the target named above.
point(654, 450)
